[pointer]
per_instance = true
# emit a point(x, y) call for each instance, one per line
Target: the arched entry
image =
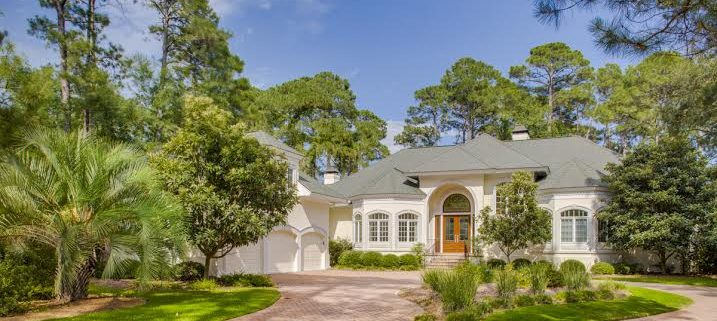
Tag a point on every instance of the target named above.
point(455, 225)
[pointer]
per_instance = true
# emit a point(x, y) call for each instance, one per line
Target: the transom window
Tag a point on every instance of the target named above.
point(407, 227)
point(456, 203)
point(574, 226)
point(358, 227)
point(378, 227)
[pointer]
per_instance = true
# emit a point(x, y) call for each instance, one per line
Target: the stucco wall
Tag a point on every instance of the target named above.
point(309, 213)
point(340, 223)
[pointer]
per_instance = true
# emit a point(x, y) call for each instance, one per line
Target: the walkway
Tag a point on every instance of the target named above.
point(704, 307)
point(341, 296)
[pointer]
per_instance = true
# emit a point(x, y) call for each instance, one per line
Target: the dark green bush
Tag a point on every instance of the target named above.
point(496, 263)
point(425, 317)
point(626, 268)
point(188, 271)
point(408, 260)
point(602, 268)
point(519, 263)
point(543, 299)
point(245, 280)
point(390, 261)
point(350, 258)
point(371, 259)
point(555, 279)
point(573, 265)
point(336, 248)
point(25, 277)
point(580, 296)
point(604, 294)
point(474, 312)
point(524, 300)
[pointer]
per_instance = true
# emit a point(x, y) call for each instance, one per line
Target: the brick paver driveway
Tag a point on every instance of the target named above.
point(703, 308)
point(342, 296)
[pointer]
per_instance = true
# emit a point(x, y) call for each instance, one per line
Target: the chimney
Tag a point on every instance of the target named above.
point(520, 133)
point(331, 174)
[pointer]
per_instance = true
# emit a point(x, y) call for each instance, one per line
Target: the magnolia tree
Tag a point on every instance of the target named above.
point(518, 222)
point(233, 189)
point(663, 201)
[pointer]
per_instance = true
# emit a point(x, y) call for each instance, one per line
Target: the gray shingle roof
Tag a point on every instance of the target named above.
point(570, 162)
point(315, 187)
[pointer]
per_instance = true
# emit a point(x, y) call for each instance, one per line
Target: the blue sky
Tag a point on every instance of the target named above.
point(387, 49)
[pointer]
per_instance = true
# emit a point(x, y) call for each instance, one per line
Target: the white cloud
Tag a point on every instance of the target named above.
point(394, 127)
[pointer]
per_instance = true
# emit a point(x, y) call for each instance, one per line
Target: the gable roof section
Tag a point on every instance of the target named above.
point(315, 187)
point(482, 153)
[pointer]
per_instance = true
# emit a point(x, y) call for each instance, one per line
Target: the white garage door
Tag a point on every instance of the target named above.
point(282, 248)
point(245, 259)
point(313, 251)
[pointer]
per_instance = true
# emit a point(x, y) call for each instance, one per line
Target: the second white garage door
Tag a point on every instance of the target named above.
point(282, 248)
point(313, 250)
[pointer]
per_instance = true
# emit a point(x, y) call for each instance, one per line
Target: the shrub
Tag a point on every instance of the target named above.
point(456, 288)
point(425, 317)
point(336, 248)
point(506, 282)
point(524, 300)
point(418, 251)
point(496, 263)
point(245, 280)
point(625, 268)
point(24, 277)
point(555, 279)
point(480, 272)
point(188, 271)
point(432, 279)
point(538, 277)
point(203, 285)
point(578, 296)
point(369, 259)
point(604, 294)
point(390, 261)
point(575, 277)
point(350, 258)
point(611, 286)
point(520, 263)
point(474, 312)
point(408, 260)
point(602, 268)
point(572, 264)
point(543, 299)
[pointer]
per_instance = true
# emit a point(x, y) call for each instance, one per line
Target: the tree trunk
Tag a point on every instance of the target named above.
point(91, 57)
point(663, 262)
point(60, 7)
point(207, 260)
point(77, 288)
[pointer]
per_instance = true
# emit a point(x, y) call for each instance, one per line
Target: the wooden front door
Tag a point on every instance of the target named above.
point(456, 233)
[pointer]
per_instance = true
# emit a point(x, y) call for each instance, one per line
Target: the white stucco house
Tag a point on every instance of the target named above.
point(431, 195)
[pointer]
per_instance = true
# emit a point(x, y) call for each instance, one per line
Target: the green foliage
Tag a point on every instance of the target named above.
point(350, 258)
point(24, 277)
point(577, 296)
point(543, 299)
point(245, 280)
point(481, 272)
point(226, 180)
point(524, 300)
point(663, 198)
point(474, 312)
point(574, 275)
point(520, 263)
point(108, 207)
point(496, 263)
point(419, 251)
point(371, 259)
point(425, 317)
point(204, 285)
point(624, 268)
point(602, 268)
point(539, 277)
point(433, 279)
point(506, 282)
point(572, 264)
point(408, 260)
point(390, 261)
point(518, 222)
point(338, 247)
point(456, 287)
point(555, 279)
point(188, 271)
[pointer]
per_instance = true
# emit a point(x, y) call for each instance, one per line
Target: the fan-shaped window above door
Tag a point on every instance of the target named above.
point(456, 203)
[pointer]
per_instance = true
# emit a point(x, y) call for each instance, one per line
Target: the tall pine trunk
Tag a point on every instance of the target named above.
point(60, 9)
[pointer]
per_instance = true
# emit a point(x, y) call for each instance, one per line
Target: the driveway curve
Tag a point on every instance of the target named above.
point(703, 308)
point(342, 296)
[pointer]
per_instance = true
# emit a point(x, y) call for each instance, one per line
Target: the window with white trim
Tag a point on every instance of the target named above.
point(358, 228)
point(574, 226)
point(407, 227)
point(378, 227)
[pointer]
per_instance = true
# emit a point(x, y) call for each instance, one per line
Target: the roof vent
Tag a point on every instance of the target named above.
point(331, 174)
point(520, 133)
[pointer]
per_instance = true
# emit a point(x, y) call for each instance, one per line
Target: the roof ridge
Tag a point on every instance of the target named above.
point(504, 143)
point(474, 156)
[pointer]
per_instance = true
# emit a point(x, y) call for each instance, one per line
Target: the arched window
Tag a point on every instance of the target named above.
point(603, 231)
point(358, 228)
point(407, 227)
point(574, 226)
point(456, 203)
point(378, 227)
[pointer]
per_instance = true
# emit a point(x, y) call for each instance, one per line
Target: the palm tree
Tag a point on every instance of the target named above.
point(93, 202)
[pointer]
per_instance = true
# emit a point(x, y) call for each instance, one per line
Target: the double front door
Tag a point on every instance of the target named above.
point(456, 233)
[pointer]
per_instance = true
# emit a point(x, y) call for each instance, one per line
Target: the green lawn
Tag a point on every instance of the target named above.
point(664, 279)
point(642, 302)
point(186, 305)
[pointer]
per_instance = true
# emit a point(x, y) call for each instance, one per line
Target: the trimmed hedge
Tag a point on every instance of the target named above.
point(602, 268)
point(496, 263)
point(371, 259)
point(365, 259)
point(408, 260)
point(519, 263)
point(338, 247)
point(390, 261)
point(573, 265)
point(350, 258)
point(245, 280)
